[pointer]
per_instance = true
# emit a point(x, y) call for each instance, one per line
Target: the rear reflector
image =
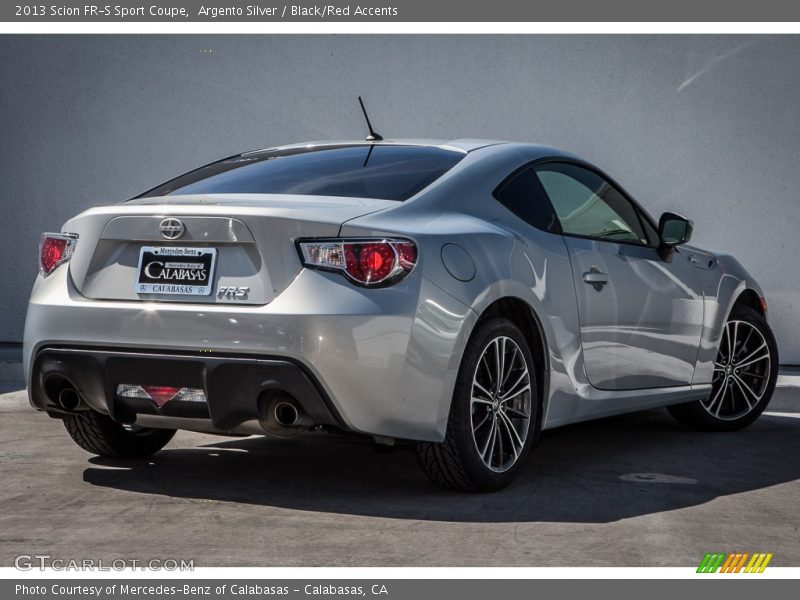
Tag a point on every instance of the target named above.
point(160, 394)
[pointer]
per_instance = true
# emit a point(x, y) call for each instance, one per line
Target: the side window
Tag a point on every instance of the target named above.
point(589, 206)
point(524, 195)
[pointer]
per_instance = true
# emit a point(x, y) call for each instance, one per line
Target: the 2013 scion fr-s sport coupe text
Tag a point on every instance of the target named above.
point(464, 295)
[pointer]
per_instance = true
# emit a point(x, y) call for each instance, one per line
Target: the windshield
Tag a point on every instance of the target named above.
point(387, 172)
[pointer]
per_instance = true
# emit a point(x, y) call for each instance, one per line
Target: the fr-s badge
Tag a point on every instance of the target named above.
point(233, 293)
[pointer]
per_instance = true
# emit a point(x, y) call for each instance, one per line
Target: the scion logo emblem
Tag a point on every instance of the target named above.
point(171, 228)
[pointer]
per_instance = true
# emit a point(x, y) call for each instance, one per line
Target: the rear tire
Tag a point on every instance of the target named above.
point(101, 435)
point(745, 374)
point(494, 416)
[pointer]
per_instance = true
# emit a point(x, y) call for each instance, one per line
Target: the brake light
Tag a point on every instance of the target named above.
point(370, 262)
point(55, 249)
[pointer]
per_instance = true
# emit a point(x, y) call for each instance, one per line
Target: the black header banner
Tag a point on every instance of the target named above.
point(402, 11)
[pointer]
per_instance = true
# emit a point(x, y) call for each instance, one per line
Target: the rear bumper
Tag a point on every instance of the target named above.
point(383, 361)
point(238, 389)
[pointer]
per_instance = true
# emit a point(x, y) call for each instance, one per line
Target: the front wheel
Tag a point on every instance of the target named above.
point(101, 435)
point(745, 374)
point(493, 421)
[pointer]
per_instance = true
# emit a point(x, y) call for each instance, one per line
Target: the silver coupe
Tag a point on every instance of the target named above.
point(464, 295)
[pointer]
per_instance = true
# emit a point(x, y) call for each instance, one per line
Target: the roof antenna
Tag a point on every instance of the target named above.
point(372, 137)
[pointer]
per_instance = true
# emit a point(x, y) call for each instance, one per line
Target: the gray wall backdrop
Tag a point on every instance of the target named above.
point(704, 125)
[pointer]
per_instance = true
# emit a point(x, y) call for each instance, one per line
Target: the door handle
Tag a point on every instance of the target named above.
point(596, 278)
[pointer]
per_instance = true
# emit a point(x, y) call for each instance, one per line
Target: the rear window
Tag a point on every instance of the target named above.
point(378, 171)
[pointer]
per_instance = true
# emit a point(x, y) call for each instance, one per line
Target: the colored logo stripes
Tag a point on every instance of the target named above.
point(736, 562)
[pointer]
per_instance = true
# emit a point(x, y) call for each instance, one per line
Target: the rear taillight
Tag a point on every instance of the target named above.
point(367, 262)
point(54, 249)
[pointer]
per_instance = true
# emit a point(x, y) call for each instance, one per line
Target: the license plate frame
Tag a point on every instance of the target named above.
point(176, 270)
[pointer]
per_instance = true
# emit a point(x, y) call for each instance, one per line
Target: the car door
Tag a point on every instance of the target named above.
point(640, 315)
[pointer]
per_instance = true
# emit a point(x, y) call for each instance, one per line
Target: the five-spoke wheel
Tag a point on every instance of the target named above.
point(744, 376)
point(501, 404)
point(741, 371)
point(494, 417)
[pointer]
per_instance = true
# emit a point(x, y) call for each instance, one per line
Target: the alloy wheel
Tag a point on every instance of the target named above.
point(500, 404)
point(741, 372)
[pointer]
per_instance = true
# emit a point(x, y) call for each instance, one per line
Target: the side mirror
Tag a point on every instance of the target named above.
point(673, 230)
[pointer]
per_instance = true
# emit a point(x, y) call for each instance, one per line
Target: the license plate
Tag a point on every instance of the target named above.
point(176, 271)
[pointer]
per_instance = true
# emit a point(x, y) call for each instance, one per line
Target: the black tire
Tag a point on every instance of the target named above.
point(100, 435)
point(456, 463)
point(697, 416)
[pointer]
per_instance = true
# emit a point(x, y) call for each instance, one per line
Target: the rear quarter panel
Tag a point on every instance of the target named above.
point(511, 258)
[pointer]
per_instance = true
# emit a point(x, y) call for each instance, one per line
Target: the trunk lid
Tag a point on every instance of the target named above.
point(252, 237)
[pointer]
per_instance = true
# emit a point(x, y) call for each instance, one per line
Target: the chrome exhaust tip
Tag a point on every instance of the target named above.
point(69, 399)
point(286, 414)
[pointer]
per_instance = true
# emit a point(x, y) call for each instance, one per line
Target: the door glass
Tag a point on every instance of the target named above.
point(588, 206)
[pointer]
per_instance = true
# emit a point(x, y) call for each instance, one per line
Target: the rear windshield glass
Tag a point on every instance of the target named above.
point(364, 171)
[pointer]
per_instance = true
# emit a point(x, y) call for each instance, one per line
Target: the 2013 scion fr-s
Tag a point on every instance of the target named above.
point(464, 295)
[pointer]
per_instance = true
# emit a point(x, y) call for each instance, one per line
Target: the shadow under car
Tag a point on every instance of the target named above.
point(594, 472)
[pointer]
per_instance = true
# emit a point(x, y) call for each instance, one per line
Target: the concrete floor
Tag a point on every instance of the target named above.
point(638, 490)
